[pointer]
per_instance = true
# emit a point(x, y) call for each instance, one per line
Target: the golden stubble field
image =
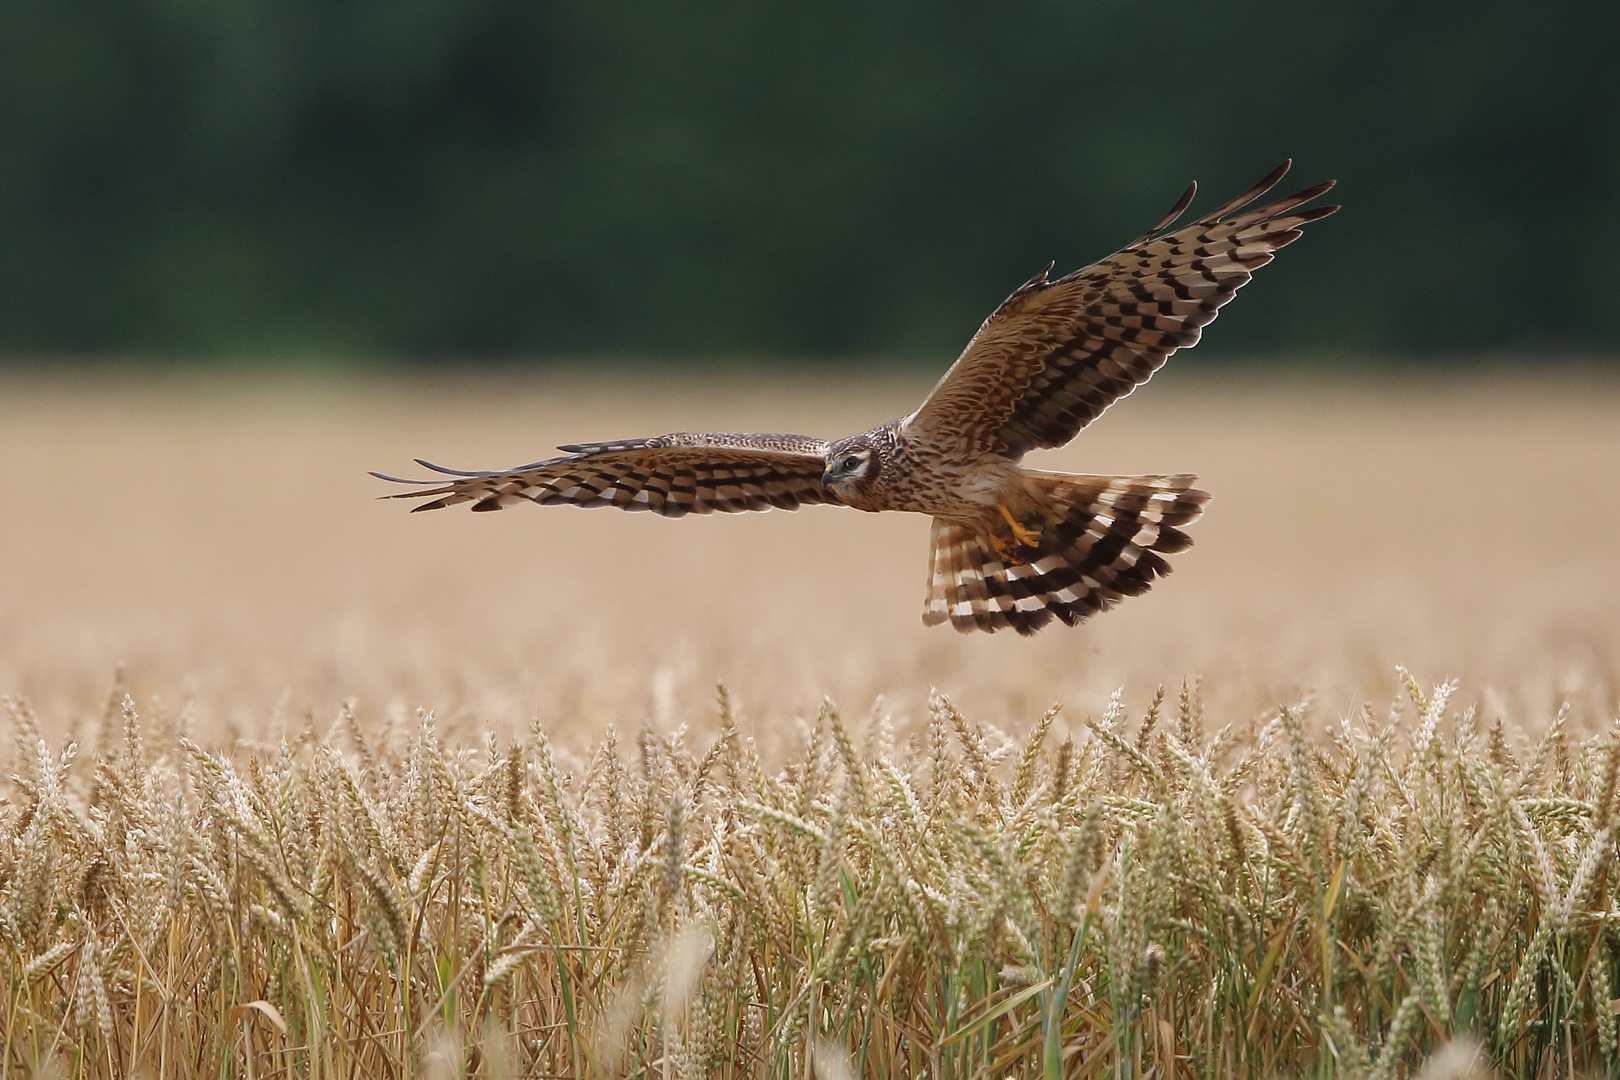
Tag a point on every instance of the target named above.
point(220, 538)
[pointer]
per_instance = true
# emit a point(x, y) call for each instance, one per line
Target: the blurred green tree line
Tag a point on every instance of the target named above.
point(448, 179)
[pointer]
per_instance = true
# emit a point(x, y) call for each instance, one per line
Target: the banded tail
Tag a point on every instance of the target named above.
point(1105, 538)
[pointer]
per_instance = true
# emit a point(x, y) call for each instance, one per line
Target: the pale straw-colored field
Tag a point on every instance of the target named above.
point(220, 538)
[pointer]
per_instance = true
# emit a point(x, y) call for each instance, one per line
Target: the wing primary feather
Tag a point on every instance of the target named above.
point(1288, 202)
point(401, 480)
point(1315, 213)
point(1175, 211)
point(1268, 182)
point(451, 472)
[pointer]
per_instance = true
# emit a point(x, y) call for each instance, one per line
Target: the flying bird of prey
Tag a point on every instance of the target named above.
point(1011, 546)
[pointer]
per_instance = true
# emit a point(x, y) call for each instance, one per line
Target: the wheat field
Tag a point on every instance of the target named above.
point(305, 785)
point(221, 539)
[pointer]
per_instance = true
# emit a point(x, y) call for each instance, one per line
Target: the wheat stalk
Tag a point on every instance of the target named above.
point(1270, 896)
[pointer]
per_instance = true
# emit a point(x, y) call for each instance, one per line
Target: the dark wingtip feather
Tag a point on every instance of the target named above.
point(1264, 185)
point(399, 480)
point(436, 504)
point(450, 472)
point(1314, 190)
point(1317, 213)
point(1283, 208)
point(1176, 210)
point(1269, 181)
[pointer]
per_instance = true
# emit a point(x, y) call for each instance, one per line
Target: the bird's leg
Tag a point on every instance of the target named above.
point(1027, 537)
point(1003, 549)
point(1006, 547)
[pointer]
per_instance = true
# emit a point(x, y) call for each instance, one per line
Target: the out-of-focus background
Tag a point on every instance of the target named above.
point(250, 250)
point(221, 540)
point(442, 179)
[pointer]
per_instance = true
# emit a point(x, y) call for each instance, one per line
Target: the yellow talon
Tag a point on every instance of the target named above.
point(1027, 537)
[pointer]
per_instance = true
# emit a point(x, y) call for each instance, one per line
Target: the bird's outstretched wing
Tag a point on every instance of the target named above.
point(673, 475)
point(1056, 354)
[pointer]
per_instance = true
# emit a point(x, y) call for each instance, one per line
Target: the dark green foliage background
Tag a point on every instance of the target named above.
point(475, 178)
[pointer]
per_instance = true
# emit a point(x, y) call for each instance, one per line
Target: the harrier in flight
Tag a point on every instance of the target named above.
point(1011, 546)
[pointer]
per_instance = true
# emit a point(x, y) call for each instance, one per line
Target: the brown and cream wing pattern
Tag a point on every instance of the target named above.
point(1108, 541)
point(672, 475)
point(1056, 354)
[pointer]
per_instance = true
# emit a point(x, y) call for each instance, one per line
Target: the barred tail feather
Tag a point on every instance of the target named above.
point(1105, 538)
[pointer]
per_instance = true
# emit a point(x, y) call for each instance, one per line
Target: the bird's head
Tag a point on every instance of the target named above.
point(852, 463)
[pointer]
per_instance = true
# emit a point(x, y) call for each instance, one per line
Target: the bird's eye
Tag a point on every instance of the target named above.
point(851, 463)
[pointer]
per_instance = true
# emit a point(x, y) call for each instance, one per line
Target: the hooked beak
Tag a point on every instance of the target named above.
point(826, 477)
